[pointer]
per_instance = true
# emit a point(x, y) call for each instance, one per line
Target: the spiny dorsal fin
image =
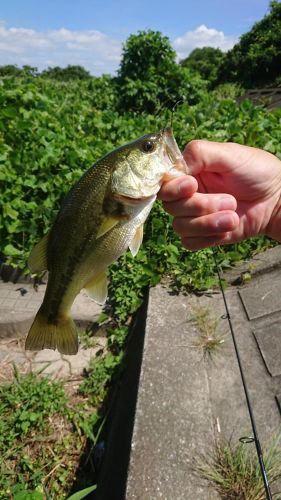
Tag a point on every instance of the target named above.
point(37, 261)
point(136, 241)
point(97, 288)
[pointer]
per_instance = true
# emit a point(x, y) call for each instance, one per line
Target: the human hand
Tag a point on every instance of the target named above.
point(233, 193)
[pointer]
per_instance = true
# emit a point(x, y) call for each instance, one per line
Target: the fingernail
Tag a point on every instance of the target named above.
point(226, 203)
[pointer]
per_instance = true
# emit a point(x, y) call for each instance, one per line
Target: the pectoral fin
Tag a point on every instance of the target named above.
point(37, 261)
point(136, 241)
point(107, 224)
point(97, 288)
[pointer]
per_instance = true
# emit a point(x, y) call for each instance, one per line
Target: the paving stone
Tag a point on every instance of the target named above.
point(269, 342)
point(59, 369)
point(56, 365)
point(3, 355)
point(261, 298)
point(47, 356)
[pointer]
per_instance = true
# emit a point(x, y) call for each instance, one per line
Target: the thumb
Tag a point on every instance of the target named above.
point(202, 155)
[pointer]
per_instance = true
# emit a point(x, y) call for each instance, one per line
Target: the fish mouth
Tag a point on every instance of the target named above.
point(130, 200)
point(172, 152)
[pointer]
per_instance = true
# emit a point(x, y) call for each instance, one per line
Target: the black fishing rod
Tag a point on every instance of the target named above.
point(249, 406)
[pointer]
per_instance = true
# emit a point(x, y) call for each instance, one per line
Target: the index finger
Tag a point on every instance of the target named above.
point(178, 188)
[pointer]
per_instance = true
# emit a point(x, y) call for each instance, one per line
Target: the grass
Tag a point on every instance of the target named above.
point(47, 436)
point(234, 471)
point(209, 340)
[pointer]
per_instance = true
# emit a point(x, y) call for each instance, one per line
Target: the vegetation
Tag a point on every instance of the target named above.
point(209, 340)
point(69, 73)
point(256, 60)
point(149, 76)
point(234, 471)
point(53, 126)
point(43, 434)
point(206, 61)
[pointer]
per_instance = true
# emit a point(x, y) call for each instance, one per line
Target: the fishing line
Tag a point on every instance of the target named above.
point(165, 106)
point(255, 437)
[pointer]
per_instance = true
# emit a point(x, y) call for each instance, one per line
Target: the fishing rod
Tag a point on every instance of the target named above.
point(255, 437)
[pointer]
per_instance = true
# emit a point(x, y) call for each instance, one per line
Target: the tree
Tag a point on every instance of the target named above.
point(149, 76)
point(13, 70)
point(71, 72)
point(206, 61)
point(256, 59)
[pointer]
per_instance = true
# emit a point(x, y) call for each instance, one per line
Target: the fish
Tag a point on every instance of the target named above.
point(100, 218)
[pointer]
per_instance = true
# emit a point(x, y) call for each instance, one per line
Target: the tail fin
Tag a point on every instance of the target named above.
point(43, 335)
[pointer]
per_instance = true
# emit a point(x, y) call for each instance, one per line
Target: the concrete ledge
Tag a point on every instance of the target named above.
point(173, 420)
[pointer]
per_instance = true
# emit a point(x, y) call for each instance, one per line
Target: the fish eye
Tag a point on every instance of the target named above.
point(148, 147)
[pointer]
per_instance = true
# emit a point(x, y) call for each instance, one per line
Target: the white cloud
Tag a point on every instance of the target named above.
point(94, 50)
point(202, 37)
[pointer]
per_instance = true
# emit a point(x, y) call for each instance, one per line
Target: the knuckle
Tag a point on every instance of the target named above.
point(194, 148)
point(177, 224)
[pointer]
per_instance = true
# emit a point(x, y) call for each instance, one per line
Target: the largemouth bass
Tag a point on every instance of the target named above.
point(101, 216)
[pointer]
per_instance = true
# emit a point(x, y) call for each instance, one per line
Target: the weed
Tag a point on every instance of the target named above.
point(234, 471)
point(209, 340)
point(42, 434)
point(99, 375)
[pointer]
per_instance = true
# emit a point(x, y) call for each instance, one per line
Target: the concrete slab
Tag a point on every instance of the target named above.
point(261, 298)
point(269, 342)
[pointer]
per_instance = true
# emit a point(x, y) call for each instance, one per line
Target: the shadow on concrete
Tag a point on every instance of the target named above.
point(118, 431)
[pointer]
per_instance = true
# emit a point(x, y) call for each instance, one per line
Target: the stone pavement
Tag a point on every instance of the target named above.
point(18, 305)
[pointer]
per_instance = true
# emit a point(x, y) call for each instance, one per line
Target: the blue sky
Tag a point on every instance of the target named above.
point(91, 32)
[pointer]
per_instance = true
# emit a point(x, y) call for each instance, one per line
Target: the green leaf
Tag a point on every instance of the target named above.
point(102, 318)
point(82, 493)
point(29, 495)
point(12, 251)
